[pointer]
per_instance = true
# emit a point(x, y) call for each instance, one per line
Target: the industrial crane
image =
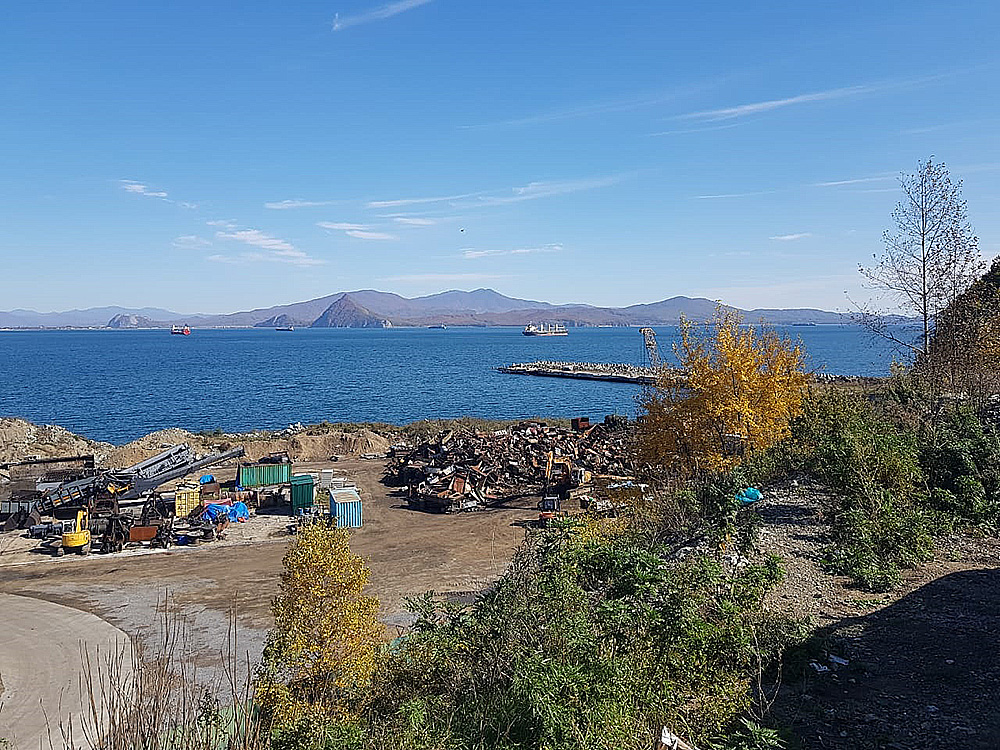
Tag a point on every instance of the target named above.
point(652, 351)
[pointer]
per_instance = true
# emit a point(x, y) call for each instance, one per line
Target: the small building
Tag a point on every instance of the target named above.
point(345, 506)
point(303, 492)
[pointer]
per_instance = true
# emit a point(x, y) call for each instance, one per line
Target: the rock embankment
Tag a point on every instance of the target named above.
point(20, 440)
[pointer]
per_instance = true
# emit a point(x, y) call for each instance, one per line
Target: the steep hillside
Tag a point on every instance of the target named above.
point(132, 321)
point(346, 313)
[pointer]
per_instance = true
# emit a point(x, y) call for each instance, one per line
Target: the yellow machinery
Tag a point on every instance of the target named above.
point(77, 540)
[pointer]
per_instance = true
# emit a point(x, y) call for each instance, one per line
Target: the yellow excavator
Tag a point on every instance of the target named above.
point(563, 481)
point(76, 540)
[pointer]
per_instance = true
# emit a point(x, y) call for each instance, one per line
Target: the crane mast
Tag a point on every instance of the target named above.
point(652, 351)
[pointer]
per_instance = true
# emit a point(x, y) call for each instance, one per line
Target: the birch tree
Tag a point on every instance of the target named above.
point(931, 255)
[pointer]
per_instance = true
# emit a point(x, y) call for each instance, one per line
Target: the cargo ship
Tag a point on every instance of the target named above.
point(180, 330)
point(545, 329)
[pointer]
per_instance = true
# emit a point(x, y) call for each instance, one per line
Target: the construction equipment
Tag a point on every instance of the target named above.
point(75, 540)
point(652, 351)
point(102, 491)
point(562, 477)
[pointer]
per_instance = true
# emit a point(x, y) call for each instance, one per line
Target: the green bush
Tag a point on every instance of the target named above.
point(879, 522)
point(844, 441)
point(312, 733)
point(961, 460)
point(877, 535)
point(586, 642)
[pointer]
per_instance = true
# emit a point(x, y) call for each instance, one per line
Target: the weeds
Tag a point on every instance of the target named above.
point(161, 701)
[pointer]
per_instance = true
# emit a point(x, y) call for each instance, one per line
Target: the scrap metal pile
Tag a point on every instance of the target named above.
point(459, 471)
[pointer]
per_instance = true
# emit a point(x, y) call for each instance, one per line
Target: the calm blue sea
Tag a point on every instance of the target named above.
point(119, 385)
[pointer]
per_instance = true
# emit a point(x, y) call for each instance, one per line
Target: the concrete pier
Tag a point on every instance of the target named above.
point(613, 373)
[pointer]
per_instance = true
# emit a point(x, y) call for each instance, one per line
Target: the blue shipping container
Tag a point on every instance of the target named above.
point(345, 506)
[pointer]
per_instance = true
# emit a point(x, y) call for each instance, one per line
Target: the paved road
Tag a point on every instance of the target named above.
point(41, 650)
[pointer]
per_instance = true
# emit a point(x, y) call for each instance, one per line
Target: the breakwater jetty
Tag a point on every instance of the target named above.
point(613, 373)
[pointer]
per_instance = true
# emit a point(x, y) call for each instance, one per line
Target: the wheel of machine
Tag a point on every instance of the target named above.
point(85, 549)
point(58, 551)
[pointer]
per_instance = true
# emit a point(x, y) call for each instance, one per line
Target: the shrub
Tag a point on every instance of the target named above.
point(586, 642)
point(961, 459)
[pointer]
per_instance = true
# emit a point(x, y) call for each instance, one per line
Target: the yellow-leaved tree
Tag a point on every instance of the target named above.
point(743, 387)
point(326, 643)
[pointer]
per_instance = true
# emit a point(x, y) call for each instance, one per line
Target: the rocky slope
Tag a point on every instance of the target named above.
point(20, 440)
point(346, 313)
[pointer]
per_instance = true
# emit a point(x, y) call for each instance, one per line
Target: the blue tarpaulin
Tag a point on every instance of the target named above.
point(217, 513)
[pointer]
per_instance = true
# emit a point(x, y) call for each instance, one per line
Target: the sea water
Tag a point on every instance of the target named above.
point(119, 385)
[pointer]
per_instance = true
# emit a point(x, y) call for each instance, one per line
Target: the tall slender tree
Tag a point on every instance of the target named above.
point(931, 255)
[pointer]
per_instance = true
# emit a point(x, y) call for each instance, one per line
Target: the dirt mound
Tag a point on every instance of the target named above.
point(148, 446)
point(20, 439)
point(311, 447)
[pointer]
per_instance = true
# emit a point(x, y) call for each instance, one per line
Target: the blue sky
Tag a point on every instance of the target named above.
point(208, 157)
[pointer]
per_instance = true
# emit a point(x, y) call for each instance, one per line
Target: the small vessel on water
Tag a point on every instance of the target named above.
point(285, 328)
point(180, 330)
point(545, 329)
point(438, 327)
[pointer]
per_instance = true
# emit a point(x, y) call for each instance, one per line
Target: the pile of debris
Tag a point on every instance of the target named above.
point(459, 471)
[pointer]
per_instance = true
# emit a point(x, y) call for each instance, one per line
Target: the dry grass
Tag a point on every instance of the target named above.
point(162, 701)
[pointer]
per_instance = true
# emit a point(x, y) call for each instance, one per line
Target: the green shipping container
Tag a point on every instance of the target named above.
point(262, 475)
point(302, 492)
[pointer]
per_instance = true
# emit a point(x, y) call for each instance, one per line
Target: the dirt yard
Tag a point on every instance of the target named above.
point(409, 552)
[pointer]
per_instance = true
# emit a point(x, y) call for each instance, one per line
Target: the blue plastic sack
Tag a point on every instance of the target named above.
point(748, 496)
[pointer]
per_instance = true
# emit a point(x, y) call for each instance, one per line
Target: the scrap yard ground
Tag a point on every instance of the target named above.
point(409, 553)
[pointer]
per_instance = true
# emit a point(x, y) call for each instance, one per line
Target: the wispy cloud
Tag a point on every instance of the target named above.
point(587, 110)
point(542, 189)
point(191, 242)
point(791, 237)
point(875, 190)
point(694, 130)
point(341, 226)
point(756, 108)
point(735, 195)
point(139, 188)
point(296, 203)
point(419, 201)
point(412, 221)
point(359, 231)
point(378, 14)
point(420, 278)
point(859, 180)
point(947, 126)
point(486, 198)
point(131, 186)
point(364, 234)
point(551, 248)
point(225, 223)
point(273, 249)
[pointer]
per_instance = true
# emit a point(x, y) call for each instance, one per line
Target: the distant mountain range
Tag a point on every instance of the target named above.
point(368, 308)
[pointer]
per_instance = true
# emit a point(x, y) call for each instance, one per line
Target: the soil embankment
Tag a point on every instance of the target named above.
point(20, 439)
